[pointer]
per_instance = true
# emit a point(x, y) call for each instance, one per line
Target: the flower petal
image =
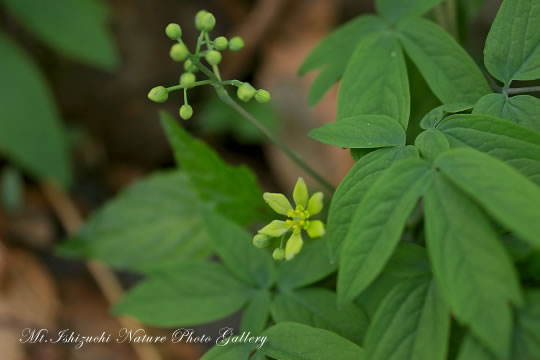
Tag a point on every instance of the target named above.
point(294, 245)
point(300, 193)
point(315, 204)
point(316, 229)
point(278, 202)
point(275, 229)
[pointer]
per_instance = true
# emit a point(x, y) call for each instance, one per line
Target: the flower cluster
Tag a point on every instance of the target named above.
point(205, 22)
point(298, 220)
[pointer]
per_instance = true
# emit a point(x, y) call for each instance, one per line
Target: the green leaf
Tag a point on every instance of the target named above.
point(476, 278)
point(362, 131)
point(236, 351)
point(378, 224)
point(517, 146)
point(255, 316)
point(526, 339)
point(431, 143)
point(235, 248)
point(232, 190)
point(77, 29)
point(522, 109)
point(512, 49)
point(434, 117)
point(309, 266)
point(508, 196)
point(413, 322)
point(189, 293)
point(11, 190)
point(129, 233)
point(31, 134)
point(473, 349)
point(409, 260)
point(291, 341)
point(334, 52)
point(447, 68)
point(353, 188)
point(318, 308)
point(393, 10)
point(375, 81)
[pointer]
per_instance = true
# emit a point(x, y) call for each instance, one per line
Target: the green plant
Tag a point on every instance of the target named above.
point(431, 245)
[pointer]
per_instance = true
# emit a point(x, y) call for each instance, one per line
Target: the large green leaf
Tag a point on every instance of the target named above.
point(375, 81)
point(448, 69)
point(526, 336)
point(413, 322)
point(503, 192)
point(512, 49)
point(503, 139)
point(522, 109)
point(232, 190)
point(395, 10)
point(31, 134)
point(361, 131)
point(475, 274)
point(189, 293)
point(309, 266)
point(378, 224)
point(334, 52)
point(235, 248)
point(292, 341)
point(473, 349)
point(353, 188)
point(154, 222)
point(318, 308)
point(77, 29)
point(256, 313)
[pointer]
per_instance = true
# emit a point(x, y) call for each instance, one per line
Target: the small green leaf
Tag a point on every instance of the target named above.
point(353, 188)
point(512, 49)
point(517, 146)
point(431, 143)
point(129, 233)
point(375, 81)
point(473, 349)
point(11, 190)
point(32, 137)
point(509, 197)
point(189, 293)
point(292, 341)
point(318, 308)
point(361, 131)
point(232, 190)
point(522, 109)
point(447, 68)
point(309, 266)
point(393, 11)
point(476, 278)
point(236, 351)
point(525, 339)
point(413, 322)
point(235, 248)
point(409, 260)
point(256, 313)
point(378, 224)
point(434, 117)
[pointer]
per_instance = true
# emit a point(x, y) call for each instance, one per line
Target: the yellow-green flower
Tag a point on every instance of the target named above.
point(297, 220)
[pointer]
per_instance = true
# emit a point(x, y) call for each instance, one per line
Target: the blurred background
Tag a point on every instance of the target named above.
point(74, 75)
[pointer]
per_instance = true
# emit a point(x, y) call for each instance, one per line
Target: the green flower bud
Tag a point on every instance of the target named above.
point(236, 43)
point(278, 254)
point(207, 22)
point(221, 43)
point(275, 229)
point(213, 57)
point(278, 203)
point(179, 52)
point(186, 112)
point(316, 229)
point(294, 245)
point(188, 66)
point(187, 79)
point(198, 18)
point(262, 96)
point(173, 31)
point(158, 94)
point(315, 204)
point(261, 241)
point(245, 92)
point(300, 193)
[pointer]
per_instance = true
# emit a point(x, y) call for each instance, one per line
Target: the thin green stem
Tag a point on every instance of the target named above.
point(199, 42)
point(523, 90)
point(197, 83)
point(224, 96)
point(185, 96)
